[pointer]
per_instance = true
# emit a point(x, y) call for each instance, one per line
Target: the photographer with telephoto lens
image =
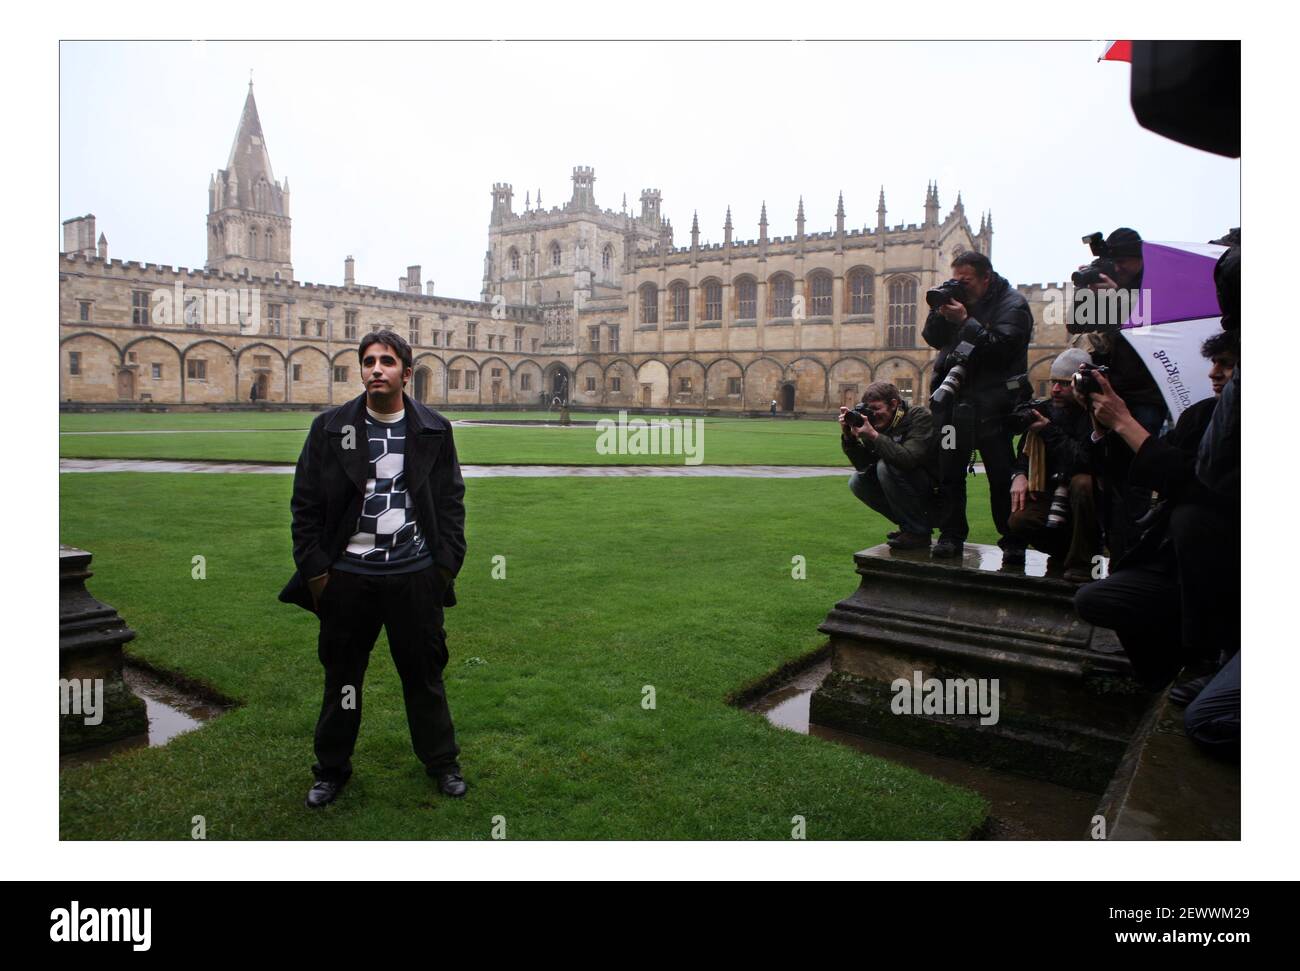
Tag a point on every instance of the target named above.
point(892, 447)
point(1052, 505)
point(981, 326)
point(1115, 273)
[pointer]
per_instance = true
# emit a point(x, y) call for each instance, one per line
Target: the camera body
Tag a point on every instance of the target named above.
point(1102, 265)
point(1085, 379)
point(936, 297)
point(1022, 416)
point(856, 416)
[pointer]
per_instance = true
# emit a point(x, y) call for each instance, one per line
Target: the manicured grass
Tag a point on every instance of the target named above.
point(278, 437)
point(612, 585)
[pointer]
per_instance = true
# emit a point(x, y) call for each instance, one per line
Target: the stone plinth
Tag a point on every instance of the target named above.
point(91, 635)
point(1068, 704)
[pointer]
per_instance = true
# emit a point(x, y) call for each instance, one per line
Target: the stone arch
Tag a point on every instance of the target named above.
point(652, 384)
point(557, 382)
point(151, 350)
point(588, 371)
point(694, 372)
point(463, 370)
point(309, 375)
point(498, 389)
point(625, 371)
point(809, 378)
point(847, 379)
point(431, 372)
point(897, 370)
point(99, 361)
point(716, 382)
point(529, 373)
point(214, 380)
point(269, 376)
point(762, 380)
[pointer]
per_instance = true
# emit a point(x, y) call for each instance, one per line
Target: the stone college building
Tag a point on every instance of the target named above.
point(594, 306)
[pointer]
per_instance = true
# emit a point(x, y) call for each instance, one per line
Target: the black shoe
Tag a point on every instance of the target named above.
point(893, 534)
point(1013, 555)
point(909, 541)
point(451, 784)
point(323, 793)
point(947, 548)
point(1184, 694)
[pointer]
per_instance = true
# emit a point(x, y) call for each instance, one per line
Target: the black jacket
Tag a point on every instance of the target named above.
point(330, 483)
point(1067, 438)
point(1167, 466)
point(908, 445)
point(1002, 351)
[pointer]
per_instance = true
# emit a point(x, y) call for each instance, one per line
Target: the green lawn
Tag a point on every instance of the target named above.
point(278, 437)
point(613, 584)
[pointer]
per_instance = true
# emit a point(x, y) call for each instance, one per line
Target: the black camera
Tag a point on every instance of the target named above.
point(1085, 379)
point(1022, 416)
point(1101, 266)
point(856, 416)
point(936, 297)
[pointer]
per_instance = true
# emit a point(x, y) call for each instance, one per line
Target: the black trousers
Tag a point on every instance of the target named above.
point(408, 606)
point(984, 429)
point(1183, 605)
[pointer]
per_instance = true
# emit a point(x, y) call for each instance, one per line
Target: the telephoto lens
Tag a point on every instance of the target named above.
point(950, 387)
point(1060, 508)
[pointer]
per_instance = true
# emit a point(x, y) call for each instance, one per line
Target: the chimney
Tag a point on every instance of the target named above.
point(349, 275)
point(79, 235)
point(401, 285)
point(428, 289)
point(103, 248)
point(412, 279)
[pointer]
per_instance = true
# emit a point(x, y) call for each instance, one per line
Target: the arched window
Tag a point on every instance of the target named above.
point(862, 292)
point(712, 300)
point(680, 299)
point(902, 312)
point(649, 304)
point(555, 254)
point(782, 295)
point(821, 285)
point(514, 260)
point(269, 252)
point(607, 258)
point(746, 298)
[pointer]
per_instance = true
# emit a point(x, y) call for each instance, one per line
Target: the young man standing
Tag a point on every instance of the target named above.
point(378, 538)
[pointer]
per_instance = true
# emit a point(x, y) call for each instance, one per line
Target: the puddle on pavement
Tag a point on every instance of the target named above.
point(1019, 808)
point(171, 712)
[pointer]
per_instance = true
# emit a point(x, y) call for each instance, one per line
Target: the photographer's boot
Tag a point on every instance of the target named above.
point(948, 547)
point(910, 541)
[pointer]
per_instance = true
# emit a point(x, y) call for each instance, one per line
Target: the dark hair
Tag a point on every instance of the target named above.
point(1224, 342)
point(980, 263)
point(881, 391)
point(390, 338)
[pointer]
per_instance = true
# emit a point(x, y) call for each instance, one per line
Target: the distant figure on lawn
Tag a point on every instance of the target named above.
point(378, 538)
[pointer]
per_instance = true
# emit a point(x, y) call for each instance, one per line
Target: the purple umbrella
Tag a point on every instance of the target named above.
point(1175, 312)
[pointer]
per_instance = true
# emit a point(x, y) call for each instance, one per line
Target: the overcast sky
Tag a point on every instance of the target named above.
point(391, 149)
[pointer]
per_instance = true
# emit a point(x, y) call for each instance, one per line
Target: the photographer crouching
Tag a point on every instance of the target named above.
point(892, 447)
point(1173, 597)
point(981, 326)
point(1052, 501)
